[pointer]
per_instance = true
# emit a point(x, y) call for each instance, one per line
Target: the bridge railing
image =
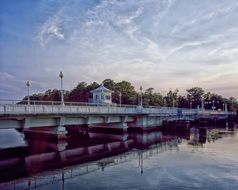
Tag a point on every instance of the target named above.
point(37, 107)
point(34, 107)
point(23, 106)
point(38, 102)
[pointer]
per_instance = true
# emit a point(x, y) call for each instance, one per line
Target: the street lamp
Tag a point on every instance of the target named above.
point(223, 107)
point(226, 109)
point(190, 104)
point(213, 105)
point(61, 89)
point(120, 98)
point(202, 102)
point(141, 103)
point(28, 91)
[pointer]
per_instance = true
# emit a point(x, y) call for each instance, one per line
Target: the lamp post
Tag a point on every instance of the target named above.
point(28, 91)
point(226, 108)
point(223, 107)
point(213, 105)
point(202, 103)
point(164, 102)
point(61, 88)
point(191, 103)
point(141, 103)
point(120, 98)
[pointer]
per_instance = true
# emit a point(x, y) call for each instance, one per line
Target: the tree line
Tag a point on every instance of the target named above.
point(192, 99)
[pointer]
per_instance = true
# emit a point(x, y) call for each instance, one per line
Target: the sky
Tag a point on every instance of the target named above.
point(164, 44)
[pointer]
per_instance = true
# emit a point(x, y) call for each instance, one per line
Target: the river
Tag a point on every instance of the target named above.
point(195, 159)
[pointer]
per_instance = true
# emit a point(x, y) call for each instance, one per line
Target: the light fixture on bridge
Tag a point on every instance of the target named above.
point(28, 84)
point(213, 105)
point(61, 88)
point(120, 98)
point(141, 101)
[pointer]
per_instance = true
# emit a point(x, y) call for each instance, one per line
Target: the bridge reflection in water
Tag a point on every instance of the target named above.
point(42, 163)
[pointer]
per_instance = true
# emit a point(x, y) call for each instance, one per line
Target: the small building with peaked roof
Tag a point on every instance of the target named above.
point(102, 95)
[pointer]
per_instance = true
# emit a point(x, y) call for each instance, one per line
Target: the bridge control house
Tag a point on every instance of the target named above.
point(102, 95)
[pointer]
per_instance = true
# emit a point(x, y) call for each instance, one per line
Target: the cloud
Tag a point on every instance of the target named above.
point(9, 84)
point(15, 86)
point(51, 29)
point(124, 40)
point(157, 43)
point(220, 11)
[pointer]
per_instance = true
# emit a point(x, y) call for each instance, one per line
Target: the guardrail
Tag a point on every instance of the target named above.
point(37, 102)
point(54, 107)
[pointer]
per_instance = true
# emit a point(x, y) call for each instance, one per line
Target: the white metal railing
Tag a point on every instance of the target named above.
point(51, 107)
point(37, 102)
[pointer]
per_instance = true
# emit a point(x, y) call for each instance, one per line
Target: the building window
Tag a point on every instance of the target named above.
point(108, 97)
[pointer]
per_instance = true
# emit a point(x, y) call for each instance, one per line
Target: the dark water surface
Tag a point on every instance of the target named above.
point(204, 159)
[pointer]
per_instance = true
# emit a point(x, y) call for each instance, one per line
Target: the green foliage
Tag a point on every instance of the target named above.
point(171, 99)
point(152, 99)
point(216, 100)
point(194, 95)
point(183, 102)
point(129, 95)
point(81, 93)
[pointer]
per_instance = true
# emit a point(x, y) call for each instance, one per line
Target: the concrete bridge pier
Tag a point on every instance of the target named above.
point(51, 133)
point(57, 132)
point(122, 127)
point(147, 122)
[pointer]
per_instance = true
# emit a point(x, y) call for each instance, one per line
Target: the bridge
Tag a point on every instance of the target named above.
point(53, 116)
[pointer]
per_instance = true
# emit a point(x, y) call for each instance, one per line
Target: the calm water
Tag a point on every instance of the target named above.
point(205, 159)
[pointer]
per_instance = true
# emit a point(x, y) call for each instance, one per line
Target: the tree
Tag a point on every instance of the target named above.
point(183, 102)
point(195, 95)
point(232, 104)
point(110, 84)
point(172, 98)
point(212, 99)
point(152, 99)
point(149, 90)
point(129, 95)
point(79, 93)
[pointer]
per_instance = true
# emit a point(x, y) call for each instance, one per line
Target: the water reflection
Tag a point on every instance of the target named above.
point(86, 153)
point(201, 135)
point(11, 138)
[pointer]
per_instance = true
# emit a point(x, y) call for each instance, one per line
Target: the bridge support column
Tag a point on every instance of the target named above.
point(57, 132)
point(60, 132)
point(48, 133)
point(147, 122)
point(122, 127)
point(141, 122)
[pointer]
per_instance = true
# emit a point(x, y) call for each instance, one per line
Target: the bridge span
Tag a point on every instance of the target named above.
point(53, 117)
